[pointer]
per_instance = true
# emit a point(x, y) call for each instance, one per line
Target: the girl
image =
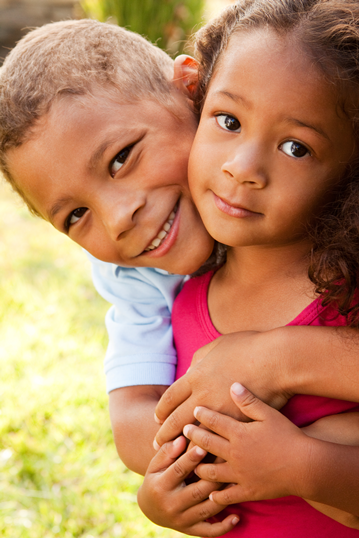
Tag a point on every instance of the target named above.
point(273, 172)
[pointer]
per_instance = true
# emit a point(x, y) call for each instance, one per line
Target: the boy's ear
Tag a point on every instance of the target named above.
point(185, 76)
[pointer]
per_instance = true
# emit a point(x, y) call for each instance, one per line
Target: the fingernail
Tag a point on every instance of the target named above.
point(156, 446)
point(196, 410)
point(237, 389)
point(200, 451)
point(210, 496)
point(157, 419)
point(235, 520)
point(186, 429)
point(177, 441)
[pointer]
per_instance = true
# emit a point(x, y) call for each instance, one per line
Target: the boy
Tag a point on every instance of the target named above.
point(96, 126)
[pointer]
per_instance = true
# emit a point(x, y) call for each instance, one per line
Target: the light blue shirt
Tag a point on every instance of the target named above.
point(140, 350)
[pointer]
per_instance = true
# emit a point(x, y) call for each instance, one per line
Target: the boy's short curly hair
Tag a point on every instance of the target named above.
point(73, 58)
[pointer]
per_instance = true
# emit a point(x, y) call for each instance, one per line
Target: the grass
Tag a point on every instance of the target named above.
point(59, 472)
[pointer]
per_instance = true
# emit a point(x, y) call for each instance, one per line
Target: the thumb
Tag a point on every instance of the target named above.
point(167, 454)
point(251, 406)
point(202, 352)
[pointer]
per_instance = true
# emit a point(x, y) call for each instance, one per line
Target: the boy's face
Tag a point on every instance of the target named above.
point(113, 176)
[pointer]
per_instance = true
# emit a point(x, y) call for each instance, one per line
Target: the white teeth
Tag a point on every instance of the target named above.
point(163, 233)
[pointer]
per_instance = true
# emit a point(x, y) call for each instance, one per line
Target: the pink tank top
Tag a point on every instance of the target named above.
point(286, 517)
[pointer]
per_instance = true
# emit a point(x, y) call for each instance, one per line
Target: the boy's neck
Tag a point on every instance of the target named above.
point(260, 288)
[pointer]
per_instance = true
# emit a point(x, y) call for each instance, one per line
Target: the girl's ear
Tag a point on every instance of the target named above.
point(185, 76)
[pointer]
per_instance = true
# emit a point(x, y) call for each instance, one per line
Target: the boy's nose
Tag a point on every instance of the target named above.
point(245, 166)
point(119, 216)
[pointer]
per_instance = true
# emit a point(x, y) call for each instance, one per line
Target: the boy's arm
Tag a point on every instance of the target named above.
point(274, 365)
point(131, 411)
point(140, 360)
point(342, 429)
point(140, 350)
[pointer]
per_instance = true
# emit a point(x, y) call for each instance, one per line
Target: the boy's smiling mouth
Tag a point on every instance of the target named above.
point(163, 233)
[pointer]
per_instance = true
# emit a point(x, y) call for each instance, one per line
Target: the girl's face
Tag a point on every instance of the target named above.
point(271, 144)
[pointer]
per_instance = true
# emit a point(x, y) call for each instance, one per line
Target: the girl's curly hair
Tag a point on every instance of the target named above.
point(328, 32)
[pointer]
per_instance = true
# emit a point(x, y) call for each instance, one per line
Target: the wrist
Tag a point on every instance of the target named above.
point(294, 350)
point(282, 346)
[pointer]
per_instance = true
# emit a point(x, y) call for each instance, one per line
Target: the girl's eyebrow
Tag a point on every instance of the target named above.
point(315, 128)
point(238, 98)
point(235, 97)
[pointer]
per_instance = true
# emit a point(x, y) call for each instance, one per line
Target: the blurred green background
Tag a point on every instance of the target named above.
point(166, 22)
point(60, 475)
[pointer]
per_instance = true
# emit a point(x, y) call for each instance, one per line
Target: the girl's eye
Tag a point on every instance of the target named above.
point(294, 149)
point(229, 123)
point(120, 159)
point(75, 216)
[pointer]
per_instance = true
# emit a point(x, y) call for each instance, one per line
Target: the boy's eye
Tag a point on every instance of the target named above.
point(120, 159)
point(294, 149)
point(229, 123)
point(75, 216)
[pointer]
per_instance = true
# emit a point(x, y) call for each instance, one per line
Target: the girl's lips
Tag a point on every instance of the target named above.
point(169, 240)
point(234, 211)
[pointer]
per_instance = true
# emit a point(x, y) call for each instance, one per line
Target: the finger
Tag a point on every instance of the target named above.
point(197, 492)
point(250, 405)
point(215, 472)
point(207, 440)
point(214, 421)
point(204, 511)
point(202, 352)
point(173, 425)
point(182, 467)
point(174, 396)
point(167, 455)
point(231, 495)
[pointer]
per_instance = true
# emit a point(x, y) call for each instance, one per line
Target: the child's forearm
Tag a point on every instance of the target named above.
point(274, 365)
point(321, 361)
point(343, 429)
point(132, 418)
point(331, 476)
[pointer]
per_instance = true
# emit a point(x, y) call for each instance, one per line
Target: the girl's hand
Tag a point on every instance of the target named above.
point(254, 358)
point(166, 500)
point(264, 459)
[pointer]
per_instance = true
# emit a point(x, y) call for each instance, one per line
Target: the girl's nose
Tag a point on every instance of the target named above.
point(245, 166)
point(119, 216)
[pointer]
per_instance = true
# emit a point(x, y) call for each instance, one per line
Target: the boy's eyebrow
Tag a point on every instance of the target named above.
point(57, 206)
point(97, 154)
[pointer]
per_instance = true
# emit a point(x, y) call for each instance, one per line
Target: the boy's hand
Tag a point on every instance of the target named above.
point(264, 459)
point(167, 501)
point(250, 357)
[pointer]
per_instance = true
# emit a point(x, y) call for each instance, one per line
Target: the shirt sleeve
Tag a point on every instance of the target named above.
point(140, 350)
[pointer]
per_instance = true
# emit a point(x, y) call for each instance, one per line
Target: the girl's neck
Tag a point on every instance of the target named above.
point(260, 288)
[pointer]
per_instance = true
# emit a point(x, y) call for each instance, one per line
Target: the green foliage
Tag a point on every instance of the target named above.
point(167, 22)
point(59, 472)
